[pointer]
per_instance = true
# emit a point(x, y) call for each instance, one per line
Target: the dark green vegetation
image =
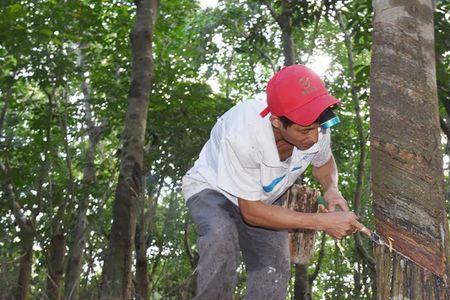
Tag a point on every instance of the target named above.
point(65, 75)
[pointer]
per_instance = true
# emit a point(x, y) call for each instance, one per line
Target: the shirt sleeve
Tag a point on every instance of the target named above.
point(324, 153)
point(233, 177)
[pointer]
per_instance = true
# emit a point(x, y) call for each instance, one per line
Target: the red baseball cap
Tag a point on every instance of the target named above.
point(297, 93)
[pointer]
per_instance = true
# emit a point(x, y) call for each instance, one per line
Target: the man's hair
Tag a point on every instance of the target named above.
point(285, 121)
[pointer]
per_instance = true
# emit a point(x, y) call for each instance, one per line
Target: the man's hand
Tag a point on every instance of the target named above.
point(339, 224)
point(334, 198)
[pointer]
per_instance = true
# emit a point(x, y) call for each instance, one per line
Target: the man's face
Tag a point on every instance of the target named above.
point(299, 136)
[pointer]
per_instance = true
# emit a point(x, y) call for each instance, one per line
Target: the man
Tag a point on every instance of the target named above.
point(250, 160)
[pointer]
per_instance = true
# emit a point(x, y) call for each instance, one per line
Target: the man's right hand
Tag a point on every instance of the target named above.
point(339, 224)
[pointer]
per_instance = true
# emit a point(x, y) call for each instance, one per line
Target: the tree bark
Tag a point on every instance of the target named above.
point(116, 280)
point(284, 21)
point(26, 260)
point(75, 259)
point(406, 157)
point(193, 260)
point(56, 266)
point(301, 285)
point(302, 241)
point(141, 242)
point(145, 231)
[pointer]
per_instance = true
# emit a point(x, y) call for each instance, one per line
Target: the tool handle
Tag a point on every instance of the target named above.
point(321, 201)
point(322, 204)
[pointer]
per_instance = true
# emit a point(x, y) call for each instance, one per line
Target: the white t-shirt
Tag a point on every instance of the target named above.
point(240, 159)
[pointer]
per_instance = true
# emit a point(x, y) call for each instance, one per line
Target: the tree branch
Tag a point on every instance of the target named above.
point(20, 218)
point(266, 57)
point(271, 10)
point(70, 184)
point(4, 109)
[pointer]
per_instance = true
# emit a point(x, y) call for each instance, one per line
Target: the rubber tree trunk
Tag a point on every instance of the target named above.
point(56, 266)
point(116, 280)
point(406, 157)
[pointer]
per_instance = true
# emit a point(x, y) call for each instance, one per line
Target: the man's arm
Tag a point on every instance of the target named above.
point(336, 224)
point(258, 213)
point(328, 177)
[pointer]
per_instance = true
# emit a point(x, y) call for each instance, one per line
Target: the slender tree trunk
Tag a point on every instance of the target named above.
point(56, 266)
point(116, 281)
point(26, 261)
point(145, 214)
point(301, 242)
point(301, 286)
point(27, 234)
point(288, 48)
point(284, 21)
point(193, 259)
point(145, 231)
point(142, 280)
point(75, 259)
point(406, 156)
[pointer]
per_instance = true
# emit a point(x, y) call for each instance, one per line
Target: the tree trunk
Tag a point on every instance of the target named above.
point(407, 160)
point(26, 261)
point(116, 281)
point(27, 234)
point(75, 259)
point(301, 241)
point(142, 280)
point(286, 33)
point(301, 286)
point(288, 48)
point(56, 266)
point(284, 20)
point(193, 260)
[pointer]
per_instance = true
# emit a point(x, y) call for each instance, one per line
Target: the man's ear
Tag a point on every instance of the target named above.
point(275, 121)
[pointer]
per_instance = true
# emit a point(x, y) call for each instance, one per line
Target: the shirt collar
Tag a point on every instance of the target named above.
point(270, 153)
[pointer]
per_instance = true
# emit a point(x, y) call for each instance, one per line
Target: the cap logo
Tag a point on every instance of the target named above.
point(305, 84)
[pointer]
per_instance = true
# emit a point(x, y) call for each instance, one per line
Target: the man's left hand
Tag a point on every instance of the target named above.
point(334, 198)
